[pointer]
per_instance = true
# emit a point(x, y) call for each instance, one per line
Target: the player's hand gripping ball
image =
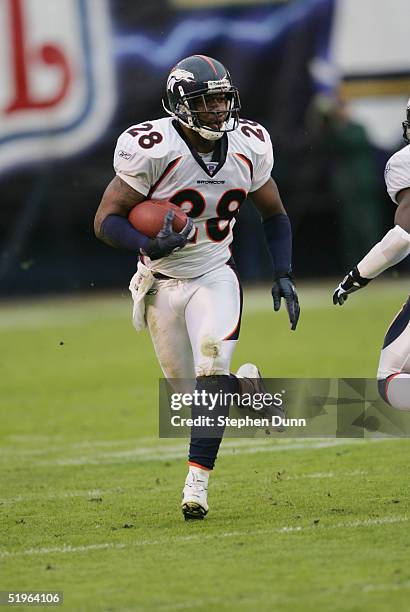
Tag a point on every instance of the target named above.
point(148, 217)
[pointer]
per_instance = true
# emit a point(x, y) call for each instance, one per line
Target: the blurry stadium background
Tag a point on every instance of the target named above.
point(328, 78)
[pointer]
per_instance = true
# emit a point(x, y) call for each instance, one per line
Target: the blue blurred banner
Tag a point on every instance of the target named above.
point(271, 52)
point(59, 68)
point(76, 73)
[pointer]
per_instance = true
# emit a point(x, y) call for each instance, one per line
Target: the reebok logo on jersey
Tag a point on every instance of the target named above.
point(126, 155)
point(210, 182)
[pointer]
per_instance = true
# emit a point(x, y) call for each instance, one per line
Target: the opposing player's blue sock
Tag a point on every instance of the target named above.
point(205, 441)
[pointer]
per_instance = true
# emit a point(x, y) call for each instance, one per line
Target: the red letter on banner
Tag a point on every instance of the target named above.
point(23, 57)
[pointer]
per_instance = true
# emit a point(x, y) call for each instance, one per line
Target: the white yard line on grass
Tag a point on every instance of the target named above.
point(393, 586)
point(52, 444)
point(165, 455)
point(67, 548)
point(163, 451)
point(319, 475)
point(277, 598)
point(88, 494)
point(95, 493)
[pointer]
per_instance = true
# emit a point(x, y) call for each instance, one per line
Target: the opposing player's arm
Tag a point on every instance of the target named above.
point(278, 235)
point(393, 247)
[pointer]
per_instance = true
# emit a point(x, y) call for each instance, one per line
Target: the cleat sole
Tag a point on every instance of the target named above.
point(193, 511)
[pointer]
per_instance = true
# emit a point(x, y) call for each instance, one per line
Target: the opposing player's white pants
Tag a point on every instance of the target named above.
point(395, 354)
point(394, 367)
point(194, 323)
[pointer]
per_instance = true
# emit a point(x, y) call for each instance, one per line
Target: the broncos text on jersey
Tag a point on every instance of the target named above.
point(157, 160)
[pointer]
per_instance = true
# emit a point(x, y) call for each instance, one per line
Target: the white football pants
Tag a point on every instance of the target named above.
point(394, 366)
point(395, 354)
point(194, 323)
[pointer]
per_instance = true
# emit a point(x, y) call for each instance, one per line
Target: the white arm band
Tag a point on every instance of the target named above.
point(394, 247)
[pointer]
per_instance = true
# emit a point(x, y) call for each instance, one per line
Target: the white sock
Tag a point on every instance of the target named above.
point(398, 391)
point(203, 474)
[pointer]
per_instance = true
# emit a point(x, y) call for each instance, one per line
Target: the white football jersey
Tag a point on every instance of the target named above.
point(157, 160)
point(397, 172)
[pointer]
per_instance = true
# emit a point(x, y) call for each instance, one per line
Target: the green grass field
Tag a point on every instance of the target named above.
point(90, 497)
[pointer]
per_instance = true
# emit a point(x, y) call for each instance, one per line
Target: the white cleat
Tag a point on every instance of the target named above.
point(195, 496)
point(250, 370)
point(253, 383)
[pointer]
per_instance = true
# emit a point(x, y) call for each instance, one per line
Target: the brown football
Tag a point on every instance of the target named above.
point(148, 217)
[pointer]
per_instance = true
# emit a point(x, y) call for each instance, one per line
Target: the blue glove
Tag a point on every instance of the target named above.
point(283, 287)
point(167, 241)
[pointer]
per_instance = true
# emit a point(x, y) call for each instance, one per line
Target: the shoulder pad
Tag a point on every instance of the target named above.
point(397, 172)
point(254, 136)
point(152, 139)
point(400, 157)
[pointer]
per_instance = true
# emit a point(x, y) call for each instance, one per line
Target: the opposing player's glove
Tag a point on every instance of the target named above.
point(283, 287)
point(167, 241)
point(352, 282)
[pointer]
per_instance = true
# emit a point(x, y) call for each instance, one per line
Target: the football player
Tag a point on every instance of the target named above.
point(205, 159)
point(393, 374)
